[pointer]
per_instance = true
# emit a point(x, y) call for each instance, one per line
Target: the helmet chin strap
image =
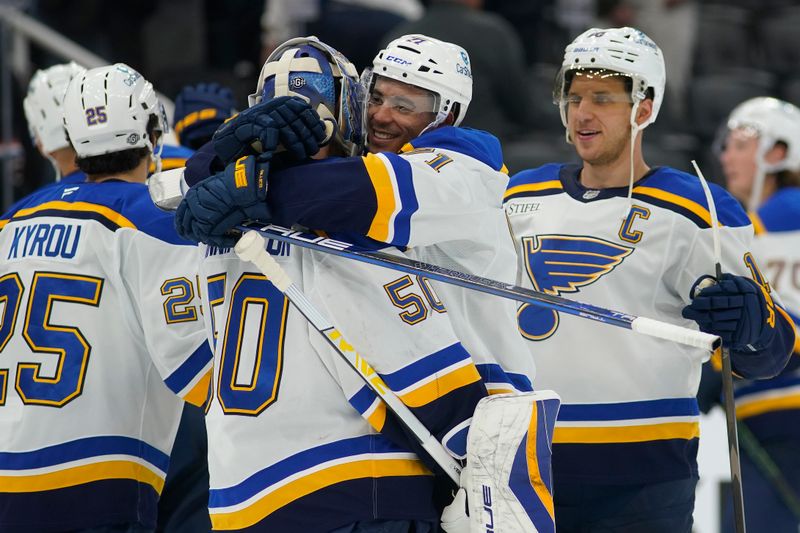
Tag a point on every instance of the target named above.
point(762, 167)
point(155, 151)
point(635, 129)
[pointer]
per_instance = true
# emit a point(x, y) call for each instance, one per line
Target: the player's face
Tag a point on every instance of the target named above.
point(396, 113)
point(739, 162)
point(598, 118)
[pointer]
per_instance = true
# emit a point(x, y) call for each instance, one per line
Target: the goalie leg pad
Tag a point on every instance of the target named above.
point(508, 476)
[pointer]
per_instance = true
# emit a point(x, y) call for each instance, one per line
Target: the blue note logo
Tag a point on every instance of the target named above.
point(559, 264)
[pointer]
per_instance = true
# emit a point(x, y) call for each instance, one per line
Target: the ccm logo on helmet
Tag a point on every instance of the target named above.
point(399, 60)
point(463, 69)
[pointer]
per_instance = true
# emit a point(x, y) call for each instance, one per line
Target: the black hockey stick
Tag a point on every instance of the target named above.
point(727, 379)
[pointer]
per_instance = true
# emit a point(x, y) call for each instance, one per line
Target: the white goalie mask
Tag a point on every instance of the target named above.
point(437, 66)
point(43, 105)
point(107, 109)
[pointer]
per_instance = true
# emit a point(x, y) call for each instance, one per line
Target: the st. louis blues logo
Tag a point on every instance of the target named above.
point(559, 264)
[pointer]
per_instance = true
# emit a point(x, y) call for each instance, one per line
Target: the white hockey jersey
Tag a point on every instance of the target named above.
point(771, 407)
point(97, 315)
point(282, 398)
point(629, 413)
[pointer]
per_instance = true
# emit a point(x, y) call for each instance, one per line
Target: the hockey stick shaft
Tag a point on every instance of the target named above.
point(646, 326)
point(727, 377)
point(251, 248)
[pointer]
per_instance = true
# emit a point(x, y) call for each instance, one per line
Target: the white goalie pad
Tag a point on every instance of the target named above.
point(508, 477)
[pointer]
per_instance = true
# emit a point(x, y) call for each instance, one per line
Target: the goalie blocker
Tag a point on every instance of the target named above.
point(507, 483)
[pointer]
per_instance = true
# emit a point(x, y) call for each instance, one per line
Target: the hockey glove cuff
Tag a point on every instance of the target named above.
point(215, 205)
point(737, 309)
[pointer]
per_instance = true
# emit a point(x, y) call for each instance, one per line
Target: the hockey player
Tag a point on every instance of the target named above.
point(439, 200)
point(45, 115)
point(100, 326)
point(617, 233)
point(761, 163)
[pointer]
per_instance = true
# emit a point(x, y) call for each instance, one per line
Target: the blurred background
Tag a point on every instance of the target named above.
point(718, 53)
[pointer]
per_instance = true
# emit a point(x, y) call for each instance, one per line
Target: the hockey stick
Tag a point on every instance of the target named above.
point(646, 326)
point(251, 248)
point(727, 377)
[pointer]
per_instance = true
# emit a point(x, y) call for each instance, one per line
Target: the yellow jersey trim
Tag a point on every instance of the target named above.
point(758, 225)
point(83, 474)
point(117, 218)
point(441, 386)
point(533, 187)
point(692, 206)
point(535, 473)
point(313, 482)
point(759, 407)
point(621, 434)
point(197, 396)
point(384, 192)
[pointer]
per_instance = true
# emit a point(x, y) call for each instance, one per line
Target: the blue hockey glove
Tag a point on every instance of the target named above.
point(286, 120)
point(199, 110)
point(217, 204)
point(737, 309)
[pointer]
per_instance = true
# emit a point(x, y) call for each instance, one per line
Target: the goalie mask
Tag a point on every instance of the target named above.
point(107, 110)
point(309, 69)
point(44, 105)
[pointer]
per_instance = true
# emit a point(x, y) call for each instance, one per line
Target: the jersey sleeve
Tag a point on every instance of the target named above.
point(418, 198)
point(735, 243)
point(404, 333)
point(161, 280)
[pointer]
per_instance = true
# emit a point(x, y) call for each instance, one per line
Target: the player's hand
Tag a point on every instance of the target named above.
point(286, 120)
point(454, 516)
point(214, 206)
point(736, 308)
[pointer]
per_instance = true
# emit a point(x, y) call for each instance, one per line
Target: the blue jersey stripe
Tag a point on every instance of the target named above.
point(367, 444)
point(494, 373)
point(190, 368)
point(629, 410)
point(408, 199)
point(83, 449)
point(426, 367)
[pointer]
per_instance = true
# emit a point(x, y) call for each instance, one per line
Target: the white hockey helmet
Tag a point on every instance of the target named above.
point(772, 121)
point(43, 105)
point(627, 51)
point(437, 66)
point(307, 68)
point(107, 109)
